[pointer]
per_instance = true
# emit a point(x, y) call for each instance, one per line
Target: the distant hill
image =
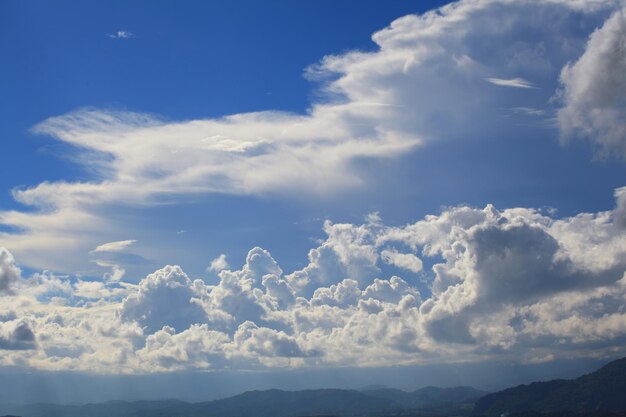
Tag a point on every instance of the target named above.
point(277, 403)
point(603, 390)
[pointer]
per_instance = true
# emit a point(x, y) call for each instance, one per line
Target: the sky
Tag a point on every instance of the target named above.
point(206, 187)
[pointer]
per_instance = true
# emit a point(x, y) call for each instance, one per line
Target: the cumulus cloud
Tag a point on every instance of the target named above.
point(165, 297)
point(196, 347)
point(266, 342)
point(593, 89)
point(512, 284)
point(406, 261)
point(425, 82)
point(9, 272)
point(16, 335)
point(218, 264)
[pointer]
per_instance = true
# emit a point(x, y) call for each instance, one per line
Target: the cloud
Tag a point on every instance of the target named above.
point(347, 253)
point(423, 83)
point(196, 347)
point(98, 290)
point(121, 34)
point(511, 284)
point(117, 246)
point(266, 342)
point(165, 297)
point(513, 82)
point(16, 335)
point(9, 272)
point(218, 264)
point(593, 89)
point(620, 210)
point(406, 261)
point(116, 274)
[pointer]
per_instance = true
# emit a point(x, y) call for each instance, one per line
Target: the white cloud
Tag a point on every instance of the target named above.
point(116, 274)
point(165, 297)
point(121, 34)
point(513, 82)
point(512, 284)
point(98, 290)
point(196, 347)
point(218, 264)
point(406, 261)
point(9, 272)
point(594, 89)
point(117, 246)
point(261, 341)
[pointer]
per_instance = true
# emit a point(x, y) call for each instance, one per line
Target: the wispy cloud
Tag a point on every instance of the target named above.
point(121, 34)
point(529, 111)
point(118, 246)
point(512, 82)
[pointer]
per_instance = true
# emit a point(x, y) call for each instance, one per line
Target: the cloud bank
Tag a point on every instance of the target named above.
point(512, 284)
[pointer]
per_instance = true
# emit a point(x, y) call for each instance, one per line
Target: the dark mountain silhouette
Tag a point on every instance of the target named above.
point(602, 390)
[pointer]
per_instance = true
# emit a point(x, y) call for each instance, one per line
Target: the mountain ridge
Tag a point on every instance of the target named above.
point(601, 390)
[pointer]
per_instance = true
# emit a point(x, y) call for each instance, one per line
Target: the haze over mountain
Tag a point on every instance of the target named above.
point(598, 392)
point(271, 403)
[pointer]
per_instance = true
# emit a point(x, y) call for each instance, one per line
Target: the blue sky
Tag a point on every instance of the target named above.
point(277, 179)
point(211, 60)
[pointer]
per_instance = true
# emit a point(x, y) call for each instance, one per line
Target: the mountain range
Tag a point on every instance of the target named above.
point(598, 394)
point(274, 403)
